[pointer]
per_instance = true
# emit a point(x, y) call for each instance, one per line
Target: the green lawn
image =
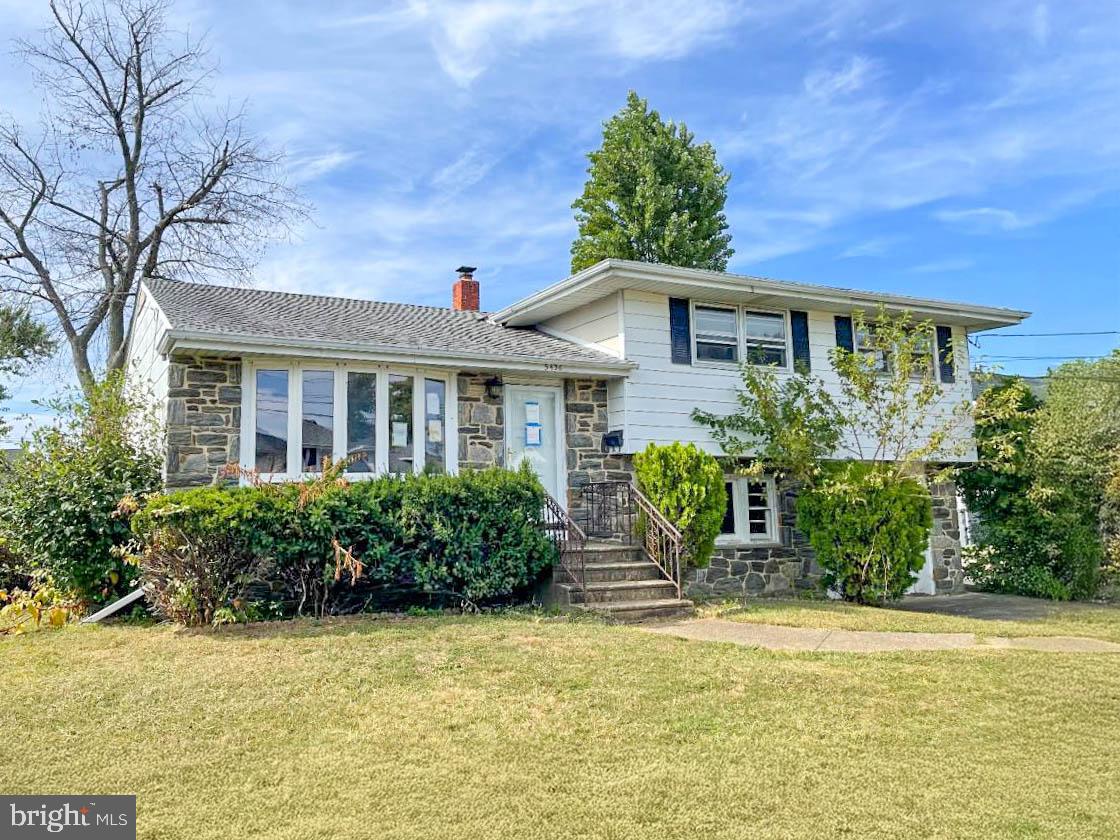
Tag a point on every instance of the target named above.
point(516, 727)
point(1090, 620)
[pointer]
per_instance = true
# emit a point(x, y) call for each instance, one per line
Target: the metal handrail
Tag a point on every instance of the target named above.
point(619, 510)
point(567, 537)
point(664, 544)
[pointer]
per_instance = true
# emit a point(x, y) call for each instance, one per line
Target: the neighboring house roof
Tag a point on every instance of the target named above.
point(244, 316)
point(613, 275)
point(982, 380)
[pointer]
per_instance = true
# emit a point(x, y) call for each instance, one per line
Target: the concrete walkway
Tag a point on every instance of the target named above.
point(774, 637)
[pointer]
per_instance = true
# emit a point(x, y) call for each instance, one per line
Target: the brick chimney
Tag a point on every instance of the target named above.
point(464, 294)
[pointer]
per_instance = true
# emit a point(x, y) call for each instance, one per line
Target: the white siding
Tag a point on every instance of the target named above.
point(660, 396)
point(146, 369)
point(596, 325)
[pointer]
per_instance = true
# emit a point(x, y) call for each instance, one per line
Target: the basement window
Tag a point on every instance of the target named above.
point(751, 513)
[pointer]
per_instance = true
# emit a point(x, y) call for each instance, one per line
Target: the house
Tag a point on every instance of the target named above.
point(574, 379)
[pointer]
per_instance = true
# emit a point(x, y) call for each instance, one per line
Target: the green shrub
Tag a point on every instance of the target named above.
point(869, 529)
point(687, 485)
point(58, 500)
point(1041, 485)
point(329, 546)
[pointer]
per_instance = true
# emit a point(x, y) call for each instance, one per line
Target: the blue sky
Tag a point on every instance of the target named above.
point(961, 150)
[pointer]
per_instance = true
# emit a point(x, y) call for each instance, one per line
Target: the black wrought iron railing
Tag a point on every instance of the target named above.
point(619, 511)
point(568, 538)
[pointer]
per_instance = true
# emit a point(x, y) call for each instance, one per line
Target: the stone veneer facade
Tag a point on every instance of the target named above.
point(204, 433)
point(585, 421)
point(481, 423)
point(790, 565)
point(945, 539)
point(760, 570)
point(203, 418)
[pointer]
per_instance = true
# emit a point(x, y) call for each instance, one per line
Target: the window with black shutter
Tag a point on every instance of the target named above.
point(680, 335)
point(945, 353)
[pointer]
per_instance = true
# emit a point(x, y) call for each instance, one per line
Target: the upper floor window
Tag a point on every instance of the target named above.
point(727, 334)
point(717, 334)
point(764, 334)
point(881, 356)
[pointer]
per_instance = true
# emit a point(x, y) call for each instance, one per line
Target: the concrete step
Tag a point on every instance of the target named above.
point(653, 609)
point(626, 590)
point(626, 570)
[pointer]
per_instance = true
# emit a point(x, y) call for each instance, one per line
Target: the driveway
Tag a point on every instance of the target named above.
point(987, 605)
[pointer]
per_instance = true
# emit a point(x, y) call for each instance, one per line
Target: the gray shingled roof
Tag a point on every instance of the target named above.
point(266, 315)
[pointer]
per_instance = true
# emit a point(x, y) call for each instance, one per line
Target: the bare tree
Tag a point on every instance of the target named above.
point(128, 179)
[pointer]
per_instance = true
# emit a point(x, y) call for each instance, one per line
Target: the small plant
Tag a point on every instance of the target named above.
point(41, 604)
point(687, 485)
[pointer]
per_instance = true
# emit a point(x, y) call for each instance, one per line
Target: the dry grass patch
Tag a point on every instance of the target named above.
point(512, 727)
point(1064, 619)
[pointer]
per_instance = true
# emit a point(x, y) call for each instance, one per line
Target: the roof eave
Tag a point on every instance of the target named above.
point(202, 341)
point(530, 310)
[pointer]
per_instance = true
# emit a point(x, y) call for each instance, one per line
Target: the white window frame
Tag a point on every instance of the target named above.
point(740, 334)
point(788, 339)
point(739, 499)
point(736, 338)
point(889, 356)
point(342, 369)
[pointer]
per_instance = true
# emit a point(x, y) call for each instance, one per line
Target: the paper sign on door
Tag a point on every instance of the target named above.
point(532, 434)
point(533, 412)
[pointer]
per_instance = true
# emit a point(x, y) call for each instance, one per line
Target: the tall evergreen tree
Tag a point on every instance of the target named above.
point(652, 195)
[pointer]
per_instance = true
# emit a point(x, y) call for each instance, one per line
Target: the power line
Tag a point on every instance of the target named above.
point(1036, 358)
point(1045, 334)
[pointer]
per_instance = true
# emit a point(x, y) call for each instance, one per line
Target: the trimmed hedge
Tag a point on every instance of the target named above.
point(331, 546)
point(869, 529)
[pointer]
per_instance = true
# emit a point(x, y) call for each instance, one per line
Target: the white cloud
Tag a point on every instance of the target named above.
point(943, 266)
point(854, 75)
point(878, 246)
point(305, 169)
point(983, 218)
point(465, 171)
point(468, 37)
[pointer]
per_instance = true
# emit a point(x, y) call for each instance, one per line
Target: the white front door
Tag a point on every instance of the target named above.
point(535, 433)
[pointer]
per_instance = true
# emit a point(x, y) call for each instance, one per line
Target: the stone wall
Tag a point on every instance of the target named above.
point(585, 420)
point(203, 418)
point(774, 570)
point(481, 423)
point(945, 539)
point(761, 570)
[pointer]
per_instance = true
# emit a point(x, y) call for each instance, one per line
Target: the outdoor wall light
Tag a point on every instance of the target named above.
point(493, 387)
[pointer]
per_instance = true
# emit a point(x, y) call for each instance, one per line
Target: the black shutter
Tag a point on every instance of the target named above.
point(945, 353)
point(799, 322)
point(680, 334)
point(844, 333)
